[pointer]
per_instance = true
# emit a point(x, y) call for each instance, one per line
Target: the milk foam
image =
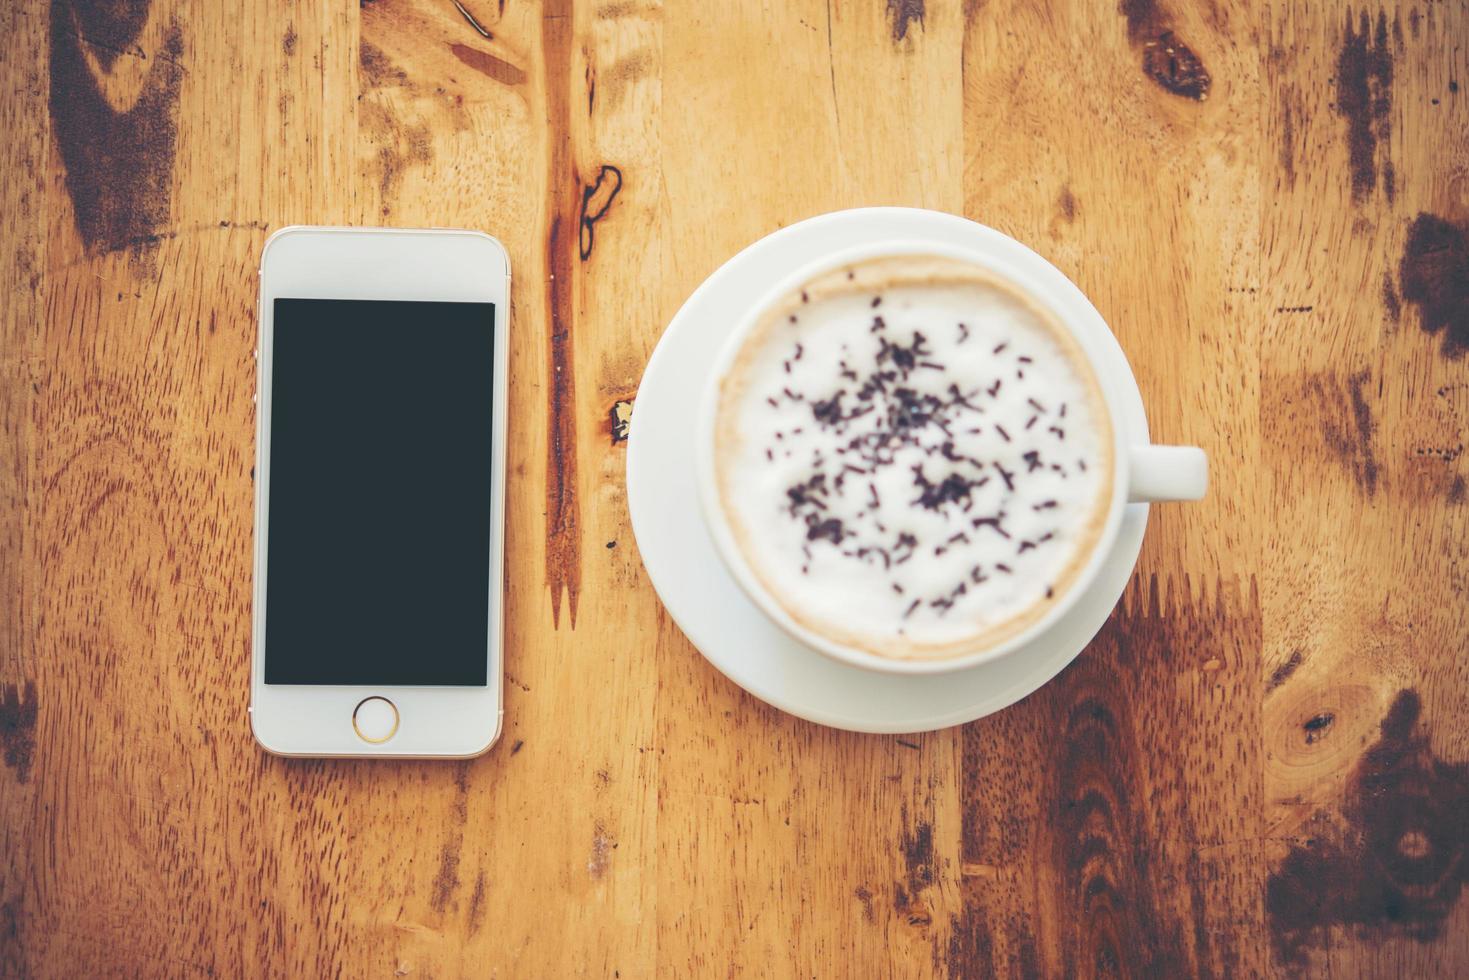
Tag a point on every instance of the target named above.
point(912, 459)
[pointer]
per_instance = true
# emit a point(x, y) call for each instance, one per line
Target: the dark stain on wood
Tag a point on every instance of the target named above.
point(1066, 204)
point(1364, 74)
point(1398, 865)
point(623, 72)
point(1434, 277)
point(1172, 64)
point(119, 164)
point(601, 857)
point(903, 14)
point(918, 856)
point(918, 860)
point(1166, 58)
point(1390, 304)
point(564, 209)
point(1352, 443)
point(288, 41)
point(488, 65)
point(19, 709)
point(619, 420)
point(971, 950)
point(1316, 726)
point(397, 149)
point(1288, 142)
point(446, 880)
point(477, 904)
point(596, 198)
point(461, 792)
point(519, 744)
point(1456, 491)
point(1282, 673)
point(377, 69)
point(864, 895)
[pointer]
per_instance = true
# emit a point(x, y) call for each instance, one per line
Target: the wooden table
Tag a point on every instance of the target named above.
point(1256, 769)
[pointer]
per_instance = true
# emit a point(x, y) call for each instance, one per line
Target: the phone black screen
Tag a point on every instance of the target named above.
point(378, 558)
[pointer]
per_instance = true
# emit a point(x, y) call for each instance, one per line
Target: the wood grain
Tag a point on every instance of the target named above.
point(1257, 769)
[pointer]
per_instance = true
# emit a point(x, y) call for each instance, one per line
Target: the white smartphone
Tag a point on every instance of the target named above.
point(379, 493)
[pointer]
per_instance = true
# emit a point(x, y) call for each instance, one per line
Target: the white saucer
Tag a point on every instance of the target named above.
point(691, 579)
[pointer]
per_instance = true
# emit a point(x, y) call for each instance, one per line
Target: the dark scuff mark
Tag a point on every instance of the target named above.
point(1282, 673)
point(623, 73)
point(1434, 276)
point(864, 895)
point(377, 69)
point(596, 198)
point(619, 418)
point(1353, 445)
point(601, 857)
point(1066, 204)
point(488, 65)
point(918, 856)
point(908, 745)
point(1398, 864)
point(461, 792)
point(1456, 491)
point(1294, 309)
point(1390, 304)
point(903, 13)
point(477, 904)
point(12, 938)
point(1166, 58)
point(519, 744)
point(18, 711)
point(971, 950)
point(119, 165)
point(288, 40)
point(1288, 143)
point(478, 27)
point(563, 512)
point(394, 155)
point(1364, 70)
point(918, 859)
point(446, 881)
point(1315, 728)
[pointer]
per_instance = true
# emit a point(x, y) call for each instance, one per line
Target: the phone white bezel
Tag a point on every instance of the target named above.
point(380, 264)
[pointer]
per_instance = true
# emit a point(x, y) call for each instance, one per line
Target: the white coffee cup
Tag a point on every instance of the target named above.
point(1142, 472)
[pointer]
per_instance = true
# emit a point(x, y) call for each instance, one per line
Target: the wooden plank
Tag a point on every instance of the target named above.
point(781, 845)
point(1122, 143)
point(1364, 401)
point(22, 258)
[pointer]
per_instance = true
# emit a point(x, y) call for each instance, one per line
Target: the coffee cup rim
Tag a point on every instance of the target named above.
point(717, 522)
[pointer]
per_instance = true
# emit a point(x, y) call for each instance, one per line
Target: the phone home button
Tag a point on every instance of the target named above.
point(375, 720)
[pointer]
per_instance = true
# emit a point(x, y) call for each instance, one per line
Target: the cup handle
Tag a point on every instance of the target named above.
point(1167, 473)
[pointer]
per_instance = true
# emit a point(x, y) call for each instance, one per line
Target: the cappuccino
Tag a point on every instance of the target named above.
point(914, 458)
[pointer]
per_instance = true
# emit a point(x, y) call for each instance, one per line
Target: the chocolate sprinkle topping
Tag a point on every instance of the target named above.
point(912, 419)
